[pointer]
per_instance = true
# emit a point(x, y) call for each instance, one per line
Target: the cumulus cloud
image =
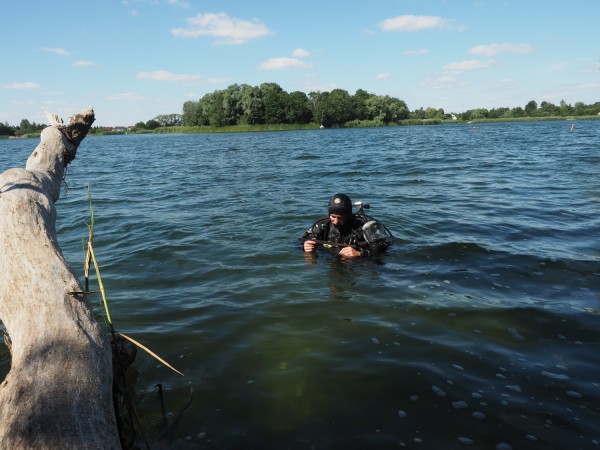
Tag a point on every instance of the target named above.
point(283, 63)
point(464, 66)
point(422, 51)
point(226, 30)
point(18, 86)
point(494, 49)
point(165, 75)
point(56, 51)
point(382, 76)
point(449, 76)
point(300, 53)
point(414, 23)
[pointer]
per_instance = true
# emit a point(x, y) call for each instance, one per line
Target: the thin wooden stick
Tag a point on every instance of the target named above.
point(91, 250)
point(151, 353)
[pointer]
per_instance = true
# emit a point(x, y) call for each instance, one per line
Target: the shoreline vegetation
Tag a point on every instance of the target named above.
point(267, 107)
point(409, 122)
point(180, 129)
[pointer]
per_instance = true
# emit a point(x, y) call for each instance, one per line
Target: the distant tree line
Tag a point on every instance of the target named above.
point(164, 120)
point(531, 109)
point(269, 104)
point(25, 127)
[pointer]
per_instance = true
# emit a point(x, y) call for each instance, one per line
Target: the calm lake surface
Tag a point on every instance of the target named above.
point(479, 329)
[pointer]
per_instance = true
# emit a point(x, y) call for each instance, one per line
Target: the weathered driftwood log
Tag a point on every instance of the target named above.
point(58, 393)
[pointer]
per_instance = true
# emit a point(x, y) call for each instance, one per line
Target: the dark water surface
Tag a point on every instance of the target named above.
point(479, 329)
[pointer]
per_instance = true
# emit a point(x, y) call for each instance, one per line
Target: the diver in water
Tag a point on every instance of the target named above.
point(356, 235)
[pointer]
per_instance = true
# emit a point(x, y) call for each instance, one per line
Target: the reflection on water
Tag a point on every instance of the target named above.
point(479, 328)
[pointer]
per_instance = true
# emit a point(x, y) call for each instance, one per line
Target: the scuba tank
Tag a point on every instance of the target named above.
point(374, 232)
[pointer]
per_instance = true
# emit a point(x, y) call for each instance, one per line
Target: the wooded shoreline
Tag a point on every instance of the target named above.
point(295, 127)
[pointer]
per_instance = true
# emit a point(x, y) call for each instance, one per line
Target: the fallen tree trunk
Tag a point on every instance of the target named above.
point(58, 392)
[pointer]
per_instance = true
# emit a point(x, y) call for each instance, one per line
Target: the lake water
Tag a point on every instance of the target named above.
point(480, 328)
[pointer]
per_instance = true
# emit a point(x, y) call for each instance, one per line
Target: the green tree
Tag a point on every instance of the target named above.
point(6, 130)
point(152, 124)
point(549, 109)
point(497, 113)
point(595, 109)
point(418, 114)
point(232, 104)
point(580, 109)
point(359, 104)
point(191, 114)
point(339, 107)
point(272, 95)
point(531, 108)
point(318, 102)
point(298, 108)
point(253, 107)
point(387, 109)
point(25, 125)
point(431, 113)
point(169, 120)
point(565, 109)
point(212, 107)
point(479, 113)
point(517, 112)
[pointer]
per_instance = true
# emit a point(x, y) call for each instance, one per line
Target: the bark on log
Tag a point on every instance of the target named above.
point(58, 392)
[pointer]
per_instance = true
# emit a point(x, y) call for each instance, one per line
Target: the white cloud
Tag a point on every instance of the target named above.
point(126, 96)
point(414, 23)
point(56, 51)
point(494, 49)
point(282, 63)
point(165, 75)
point(227, 30)
point(464, 66)
point(84, 63)
point(448, 77)
point(382, 76)
point(300, 53)
point(422, 51)
point(18, 86)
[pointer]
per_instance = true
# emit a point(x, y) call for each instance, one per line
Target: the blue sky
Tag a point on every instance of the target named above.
point(132, 60)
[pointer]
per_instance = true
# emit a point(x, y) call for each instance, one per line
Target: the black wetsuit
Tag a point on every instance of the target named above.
point(350, 233)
